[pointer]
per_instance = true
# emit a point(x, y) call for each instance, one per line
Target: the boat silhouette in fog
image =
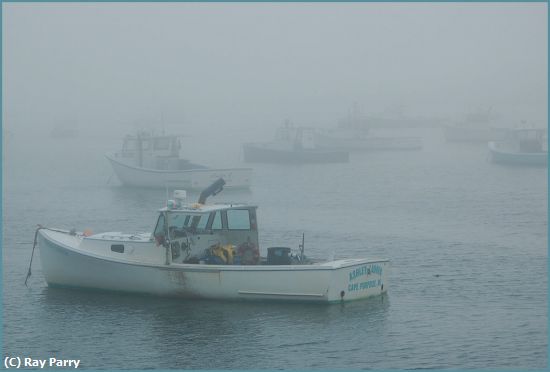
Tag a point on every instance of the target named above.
point(524, 146)
point(292, 145)
point(354, 134)
point(203, 251)
point(148, 160)
point(356, 140)
point(475, 127)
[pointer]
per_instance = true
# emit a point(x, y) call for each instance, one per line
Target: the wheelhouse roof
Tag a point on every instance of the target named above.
point(204, 209)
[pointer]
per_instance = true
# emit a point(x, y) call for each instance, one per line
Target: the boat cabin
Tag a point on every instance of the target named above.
point(144, 150)
point(529, 140)
point(212, 234)
point(299, 138)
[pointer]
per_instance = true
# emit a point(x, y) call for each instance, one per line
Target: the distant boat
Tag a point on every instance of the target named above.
point(527, 146)
point(353, 134)
point(292, 145)
point(204, 251)
point(154, 161)
point(344, 139)
point(476, 127)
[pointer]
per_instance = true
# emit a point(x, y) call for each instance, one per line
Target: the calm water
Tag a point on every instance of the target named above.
point(467, 240)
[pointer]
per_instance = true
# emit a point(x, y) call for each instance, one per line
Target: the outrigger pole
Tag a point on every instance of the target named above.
point(213, 189)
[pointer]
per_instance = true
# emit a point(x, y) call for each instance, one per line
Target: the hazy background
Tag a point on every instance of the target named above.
point(112, 67)
point(467, 239)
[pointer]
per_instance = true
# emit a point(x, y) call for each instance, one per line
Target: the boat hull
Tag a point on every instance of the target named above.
point(194, 179)
point(255, 153)
point(516, 158)
point(336, 281)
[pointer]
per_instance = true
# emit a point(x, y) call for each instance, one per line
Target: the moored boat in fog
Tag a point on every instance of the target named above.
point(204, 251)
point(477, 126)
point(525, 146)
point(292, 145)
point(344, 139)
point(154, 161)
point(354, 134)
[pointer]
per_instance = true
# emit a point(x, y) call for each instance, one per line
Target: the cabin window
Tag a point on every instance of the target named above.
point(119, 248)
point(181, 221)
point(200, 222)
point(161, 144)
point(159, 229)
point(238, 219)
point(178, 220)
point(217, 221)
point(203, 222)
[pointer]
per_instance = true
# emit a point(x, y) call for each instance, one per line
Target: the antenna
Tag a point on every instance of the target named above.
point(302, 247)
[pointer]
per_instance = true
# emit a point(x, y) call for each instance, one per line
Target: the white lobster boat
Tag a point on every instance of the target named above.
point(524, 146)
point(154, 161)
point(203, 251)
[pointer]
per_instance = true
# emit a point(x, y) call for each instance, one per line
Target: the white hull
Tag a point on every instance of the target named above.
point(504, 153)
point(186, 179)
point(65, 262)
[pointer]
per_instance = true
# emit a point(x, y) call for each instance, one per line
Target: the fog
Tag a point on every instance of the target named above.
point(466, 233)
point(112, 67)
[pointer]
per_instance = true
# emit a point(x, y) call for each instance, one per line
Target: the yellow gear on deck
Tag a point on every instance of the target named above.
point(224, 252)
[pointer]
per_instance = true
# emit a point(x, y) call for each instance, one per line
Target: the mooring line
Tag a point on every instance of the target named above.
point(32, 254)
point(40, 227)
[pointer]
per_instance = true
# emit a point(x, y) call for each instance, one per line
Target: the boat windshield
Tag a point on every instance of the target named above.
point(182, 223)
point(185, 221)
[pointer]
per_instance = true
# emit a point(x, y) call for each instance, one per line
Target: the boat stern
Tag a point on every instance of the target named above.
point(355, 279)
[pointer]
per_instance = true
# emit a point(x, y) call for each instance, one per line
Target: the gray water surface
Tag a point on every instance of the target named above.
point(467, 240)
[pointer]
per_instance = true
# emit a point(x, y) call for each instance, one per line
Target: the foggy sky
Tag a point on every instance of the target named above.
point(254, 64)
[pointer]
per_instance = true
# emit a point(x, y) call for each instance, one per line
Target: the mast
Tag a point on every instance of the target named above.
point(139, 150)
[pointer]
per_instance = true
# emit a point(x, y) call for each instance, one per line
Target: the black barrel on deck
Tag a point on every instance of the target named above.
point(278, 256)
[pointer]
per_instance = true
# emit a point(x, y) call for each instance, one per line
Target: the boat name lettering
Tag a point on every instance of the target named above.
point(364, 285)
point(365, 270)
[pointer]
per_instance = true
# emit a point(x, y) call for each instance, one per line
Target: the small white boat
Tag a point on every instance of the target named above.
point(527, 146)
point(203, 251)
point(154, 161)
